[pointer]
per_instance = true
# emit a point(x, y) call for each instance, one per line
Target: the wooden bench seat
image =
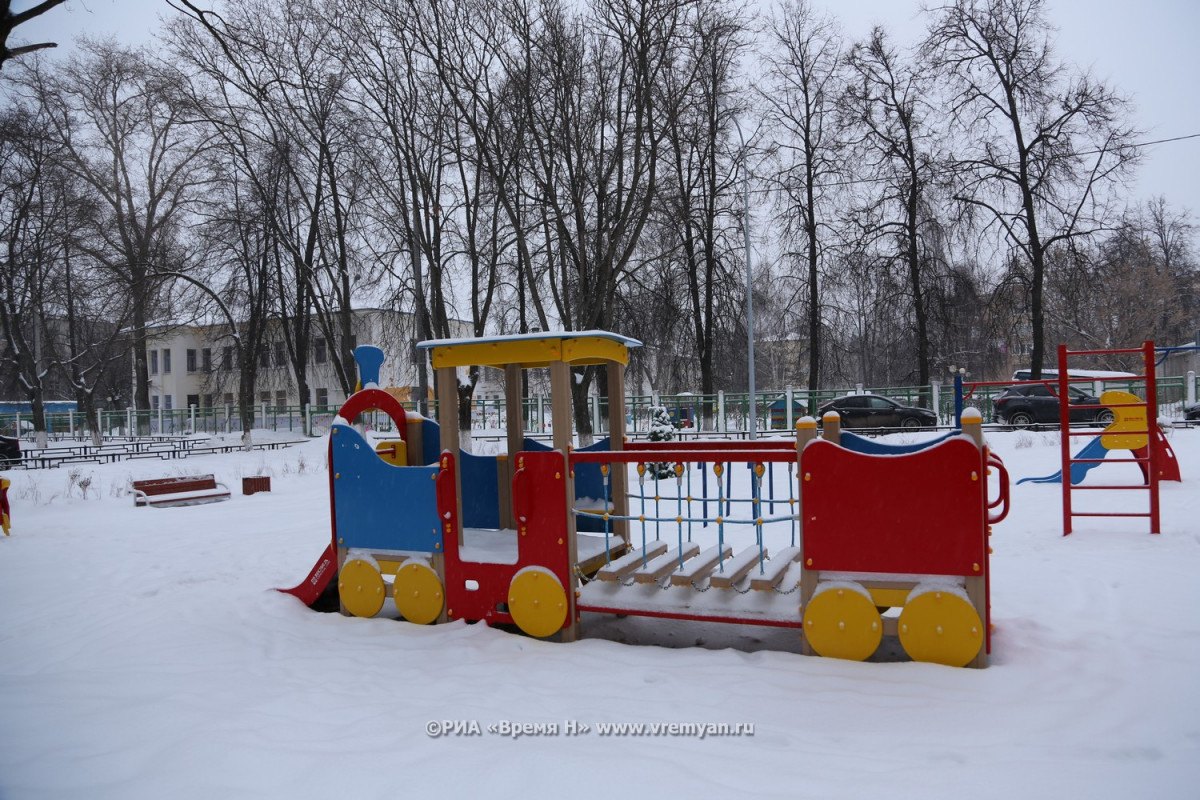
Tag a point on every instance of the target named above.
point(185, 490)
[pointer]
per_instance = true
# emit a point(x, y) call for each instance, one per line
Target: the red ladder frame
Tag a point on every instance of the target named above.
point(1150, 461)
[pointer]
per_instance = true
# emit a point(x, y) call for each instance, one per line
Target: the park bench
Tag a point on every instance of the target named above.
point(185, 490)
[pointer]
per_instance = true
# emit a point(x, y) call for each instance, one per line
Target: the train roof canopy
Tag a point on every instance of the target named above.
point(531, 350)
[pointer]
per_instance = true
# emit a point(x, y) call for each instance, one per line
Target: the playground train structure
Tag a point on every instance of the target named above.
point(845, 539)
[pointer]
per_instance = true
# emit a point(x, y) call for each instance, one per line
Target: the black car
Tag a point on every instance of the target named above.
point(10, 451)
point(1192, 411)
point(877, 411)
point(1037, 404)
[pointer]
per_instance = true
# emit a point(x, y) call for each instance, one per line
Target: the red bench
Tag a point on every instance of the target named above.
point(188, 490)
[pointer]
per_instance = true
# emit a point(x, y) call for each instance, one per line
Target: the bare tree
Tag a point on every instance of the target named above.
point(805, 80)
point(698, 187)
point(1040, 142)
point(887, 102)
point(32, 214)
point(283, 87)
point(593, 97)
point(124, 133)
point(9, 23)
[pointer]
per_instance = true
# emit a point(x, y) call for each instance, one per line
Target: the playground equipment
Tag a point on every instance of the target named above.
point(1128, 431)
point(812, 533)
point(5, 509)
point(1134, 428)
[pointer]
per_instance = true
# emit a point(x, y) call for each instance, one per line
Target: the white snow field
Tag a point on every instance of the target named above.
point(143, 654)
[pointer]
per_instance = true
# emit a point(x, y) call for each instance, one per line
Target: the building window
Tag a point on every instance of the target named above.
point(167, 404)
point(191, 359)
point(264, 358)
point(264, 398)
point(280, 400)
point(154, 403)
point(228, 399)
point(166, 362)
point(206, 359)
point(208, 401)
point(322, 399)
point(153, 362)
point(193, 400)
point(280, 354)
point(319, 351)
point(227, 357)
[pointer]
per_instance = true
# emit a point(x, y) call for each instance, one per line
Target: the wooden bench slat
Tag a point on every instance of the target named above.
point(775, 568)
point(736, 568)
point(616, 570)
point(700, 566)
point(665, 563)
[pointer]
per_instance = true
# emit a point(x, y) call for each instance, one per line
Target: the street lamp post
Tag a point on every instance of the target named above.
point(749, 280)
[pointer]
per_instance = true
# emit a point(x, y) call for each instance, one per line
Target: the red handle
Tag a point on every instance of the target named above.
point(1002, 498)
point(378, 400)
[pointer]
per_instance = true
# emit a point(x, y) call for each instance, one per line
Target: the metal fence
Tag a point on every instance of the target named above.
point(724, 412)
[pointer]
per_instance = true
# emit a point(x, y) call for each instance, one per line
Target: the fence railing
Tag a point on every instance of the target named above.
point(724, 412)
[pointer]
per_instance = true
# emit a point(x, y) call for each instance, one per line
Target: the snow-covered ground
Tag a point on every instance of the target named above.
point(144, 655)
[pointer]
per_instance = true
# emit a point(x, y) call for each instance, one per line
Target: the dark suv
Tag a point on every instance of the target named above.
point(10, 451)
point(877, 411)
point(1037, 404)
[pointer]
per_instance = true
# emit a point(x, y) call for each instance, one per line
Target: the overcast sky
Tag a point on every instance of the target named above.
point(1146, 48)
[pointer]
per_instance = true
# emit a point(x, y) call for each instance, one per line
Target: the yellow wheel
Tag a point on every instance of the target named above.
point(842, 622)
point(942, 628)
point(418, 592)
point(537, 601)
point(361, 587)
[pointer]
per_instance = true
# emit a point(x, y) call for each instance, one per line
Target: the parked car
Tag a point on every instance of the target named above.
point(1036, 404)
point(1192, 411)
point(877, 411)
point(10, 429)
point(10, 451)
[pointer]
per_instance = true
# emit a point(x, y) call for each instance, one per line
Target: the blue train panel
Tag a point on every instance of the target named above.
point(481, 491)
point(431, 442)
point(377, 505)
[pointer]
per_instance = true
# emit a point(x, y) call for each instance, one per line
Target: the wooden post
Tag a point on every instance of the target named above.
point(832, 424)
point(976, 586)
point(415, 438)
point(438, 562)
point(560, 408)
point(447, 387)
point(619, 475)
point(515, 430)
point(806, 431)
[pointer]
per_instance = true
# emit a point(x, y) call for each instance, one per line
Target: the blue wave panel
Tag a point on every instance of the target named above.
point(870, 447)
point(380, 506)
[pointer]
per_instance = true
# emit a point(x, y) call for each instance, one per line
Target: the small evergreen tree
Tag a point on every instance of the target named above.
point(662, 429)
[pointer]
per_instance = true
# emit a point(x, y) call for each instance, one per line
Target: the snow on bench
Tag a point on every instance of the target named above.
point(187, 490)
point(626, 564)
point(665, 563)
point(700, 566)
point(736, 568)
point(774, 569)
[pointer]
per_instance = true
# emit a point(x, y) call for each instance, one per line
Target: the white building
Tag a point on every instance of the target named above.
point(194, 365)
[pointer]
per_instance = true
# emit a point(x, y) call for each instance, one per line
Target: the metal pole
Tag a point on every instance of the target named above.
point(749, 281)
